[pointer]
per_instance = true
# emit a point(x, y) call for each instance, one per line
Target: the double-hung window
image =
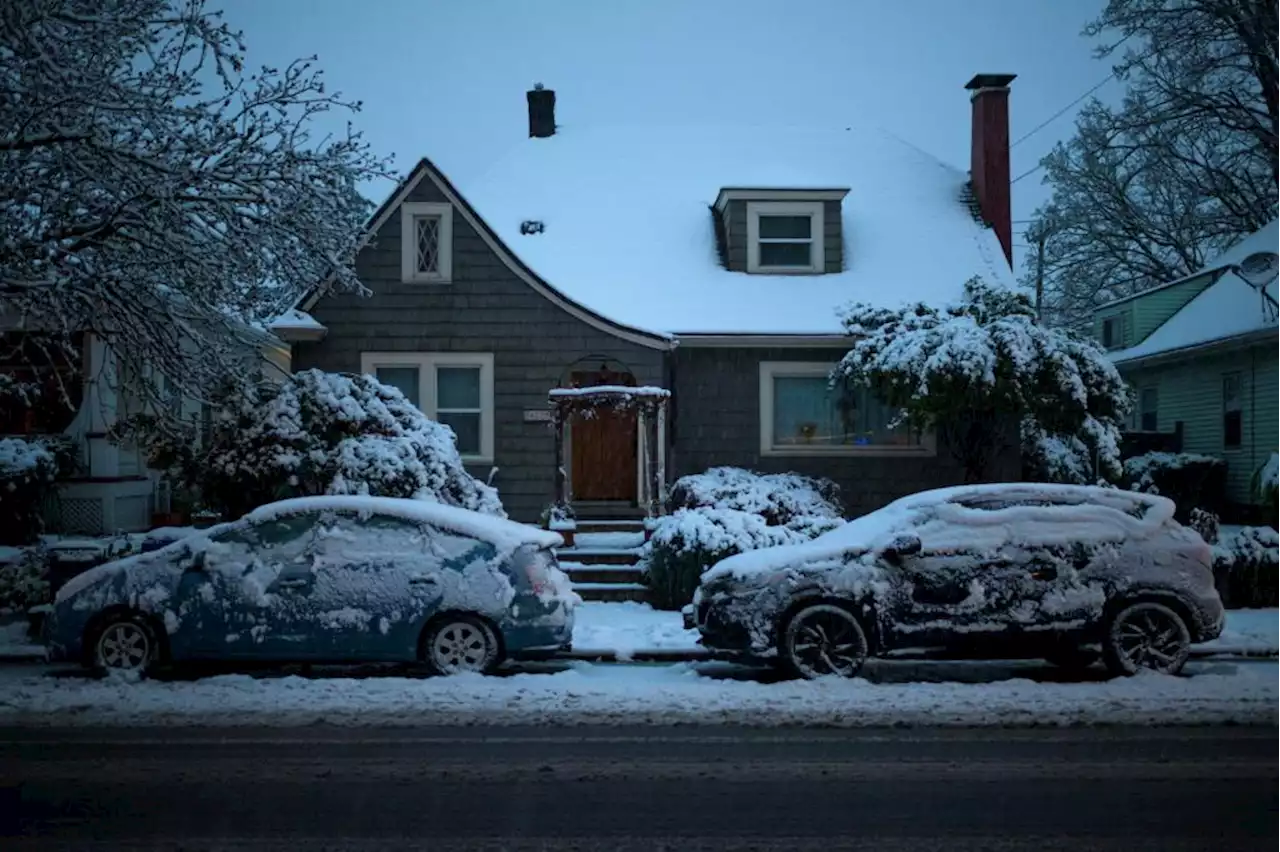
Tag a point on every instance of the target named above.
point(785, 237)
point(453, 388)
point(801, 414)
point(1232, 411)
point(1149, 409)
point(426, 242)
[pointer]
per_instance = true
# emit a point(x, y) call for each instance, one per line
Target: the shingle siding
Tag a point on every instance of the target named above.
point(1191, 393)
point(486, 308)
point(717, 422)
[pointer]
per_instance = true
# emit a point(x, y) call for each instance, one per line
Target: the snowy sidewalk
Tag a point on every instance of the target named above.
point(585, 694)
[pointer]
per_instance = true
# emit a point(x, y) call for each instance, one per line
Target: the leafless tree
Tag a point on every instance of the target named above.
point(155, 192)
point(1149, 191)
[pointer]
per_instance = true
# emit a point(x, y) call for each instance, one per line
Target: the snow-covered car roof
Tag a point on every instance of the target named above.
point(498, 531)
point(974, 517)
point(505, 535)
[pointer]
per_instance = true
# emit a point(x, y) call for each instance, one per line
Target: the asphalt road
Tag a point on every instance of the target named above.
point(632, 789)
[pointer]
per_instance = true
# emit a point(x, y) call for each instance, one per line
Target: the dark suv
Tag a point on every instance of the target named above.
point(1003, 571)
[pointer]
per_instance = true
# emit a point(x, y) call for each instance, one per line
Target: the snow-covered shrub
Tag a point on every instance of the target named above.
point(27, 471)
point(1266, 483)
point(1246, 565)
point(972, 369)
point(726, 511)
point(776, 497)
point(1054, 458)
point(24, 580)
point(1206, 524)
point(324, 433)
point(1190, 480)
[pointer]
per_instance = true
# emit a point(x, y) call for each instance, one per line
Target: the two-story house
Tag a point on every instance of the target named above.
point(1201, 355)
point(709, 262)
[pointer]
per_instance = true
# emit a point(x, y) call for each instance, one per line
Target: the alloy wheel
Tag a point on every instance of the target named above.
point(1149, 636)
point(825, 640)
point(461, 646)
point(125, 646)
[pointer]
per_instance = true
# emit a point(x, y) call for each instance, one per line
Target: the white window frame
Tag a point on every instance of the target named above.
point(770, 370)
point(426, 363)
point(817, 252)
point(410, 212)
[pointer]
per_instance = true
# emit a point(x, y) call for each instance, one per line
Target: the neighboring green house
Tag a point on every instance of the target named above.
point(1201, 355)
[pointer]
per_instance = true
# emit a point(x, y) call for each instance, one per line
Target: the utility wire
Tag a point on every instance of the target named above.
point(1042, 125)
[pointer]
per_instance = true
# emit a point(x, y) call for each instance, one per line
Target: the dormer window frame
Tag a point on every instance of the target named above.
point(817, 246)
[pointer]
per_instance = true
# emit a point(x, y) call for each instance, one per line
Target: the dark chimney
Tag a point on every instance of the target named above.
point(989, 159)
point(542, 112)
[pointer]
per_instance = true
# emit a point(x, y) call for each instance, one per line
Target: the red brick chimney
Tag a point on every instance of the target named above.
point(989, 159)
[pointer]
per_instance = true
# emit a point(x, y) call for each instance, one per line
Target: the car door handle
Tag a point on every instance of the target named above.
point(293, 583)
point(1048, 572)
point(422, 581)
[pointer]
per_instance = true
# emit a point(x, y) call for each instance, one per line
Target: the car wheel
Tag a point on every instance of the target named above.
point(821, 640)
point(1146, 635)
point(126, 642)
point(458, 644)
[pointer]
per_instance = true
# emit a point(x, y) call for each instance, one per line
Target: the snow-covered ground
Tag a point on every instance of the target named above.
point(625, 627)
point(14, 641)
point(1254, 631)
point(586, 694)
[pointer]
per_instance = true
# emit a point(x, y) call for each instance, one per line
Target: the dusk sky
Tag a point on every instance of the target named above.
point(447, 78)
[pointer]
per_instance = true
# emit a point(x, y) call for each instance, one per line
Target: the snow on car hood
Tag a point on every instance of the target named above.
point(954, 519)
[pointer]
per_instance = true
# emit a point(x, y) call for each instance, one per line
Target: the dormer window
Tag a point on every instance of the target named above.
point(785, 237)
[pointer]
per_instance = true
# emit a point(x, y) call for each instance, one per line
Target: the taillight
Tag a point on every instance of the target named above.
point(533, 563)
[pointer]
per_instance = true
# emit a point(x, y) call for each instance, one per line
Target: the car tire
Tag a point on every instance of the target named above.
point(1146, 635)
point(460, 644)
point(124, 642)
point(823, 639)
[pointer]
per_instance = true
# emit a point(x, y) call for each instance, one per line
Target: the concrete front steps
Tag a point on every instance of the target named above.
point(602, 562)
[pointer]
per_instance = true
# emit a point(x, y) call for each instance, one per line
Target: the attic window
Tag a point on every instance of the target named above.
point(1113, 332)
point(426, 242)
point(785, 237)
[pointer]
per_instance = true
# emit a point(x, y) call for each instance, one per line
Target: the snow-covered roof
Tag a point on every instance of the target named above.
point(1227, 308)
point(627, 225)
point(295, 319)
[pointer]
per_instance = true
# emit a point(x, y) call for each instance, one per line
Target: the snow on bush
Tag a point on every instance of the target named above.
point(726, 511)
point(776, 497)
point(1266, 482)
point(1190, 480)
point(27, 471)
point(24, 580)
point(326, 433)
point(974, 369)
point(1246, 565)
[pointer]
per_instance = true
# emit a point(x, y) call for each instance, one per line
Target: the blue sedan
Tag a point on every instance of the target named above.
point(326, 579)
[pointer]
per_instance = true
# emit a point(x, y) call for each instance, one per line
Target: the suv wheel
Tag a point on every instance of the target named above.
point(823, 639)
point(1146, 635)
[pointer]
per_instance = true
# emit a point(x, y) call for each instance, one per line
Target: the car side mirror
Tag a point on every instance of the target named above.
point(907, 544)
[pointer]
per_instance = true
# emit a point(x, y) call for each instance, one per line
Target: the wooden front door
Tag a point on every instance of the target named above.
point(603, 445)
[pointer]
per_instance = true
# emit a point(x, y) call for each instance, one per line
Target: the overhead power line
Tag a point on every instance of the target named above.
point(1042, 125)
